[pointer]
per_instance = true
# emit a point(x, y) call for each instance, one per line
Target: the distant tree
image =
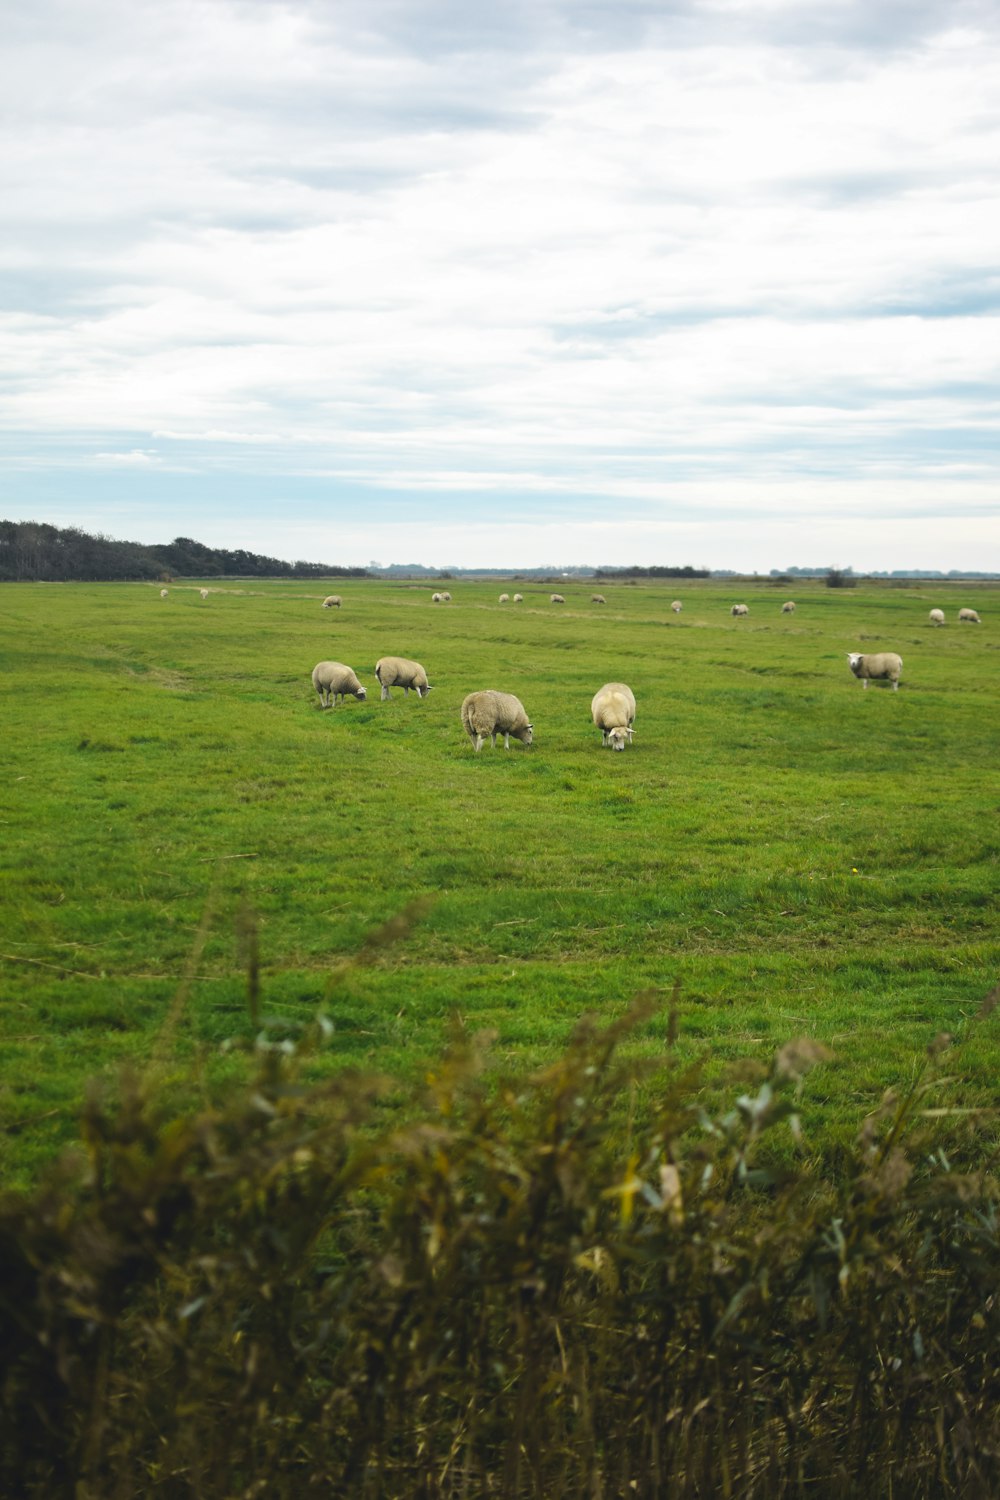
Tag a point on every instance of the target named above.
point(841, 578)
point(30, 550)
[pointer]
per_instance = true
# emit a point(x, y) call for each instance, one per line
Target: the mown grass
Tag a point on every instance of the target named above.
point(803, 856)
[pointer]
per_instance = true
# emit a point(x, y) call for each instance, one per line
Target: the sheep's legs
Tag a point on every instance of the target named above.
point(385, 692)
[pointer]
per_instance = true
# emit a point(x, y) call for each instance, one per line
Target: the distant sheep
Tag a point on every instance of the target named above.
point(164, 593)
point(884, 666)
point(740, 609)
point(492, 713)
point(332, 680)
point(676, 606)
point(504, 599)
point(969, 615)
point(203, 593)
point(332, 601)
point(788, 608)
point(936, 617)
point(612, 709)
point(435, 598)
point(518, 598)
point(446, 598)
point(598, 599)
point(398, 671)
point(557, 599)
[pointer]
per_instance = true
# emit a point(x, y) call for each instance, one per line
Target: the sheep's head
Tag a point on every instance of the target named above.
point(618, 738)
point(525, 734)
point(854, 660)
point(361, 694)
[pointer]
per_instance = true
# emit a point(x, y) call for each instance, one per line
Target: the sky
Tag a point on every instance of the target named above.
point(706, 282)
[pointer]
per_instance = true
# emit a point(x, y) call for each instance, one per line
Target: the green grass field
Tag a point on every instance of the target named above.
point(803, 856)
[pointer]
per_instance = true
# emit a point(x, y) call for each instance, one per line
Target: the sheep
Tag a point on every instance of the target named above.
point(936, 617)
point(446, 598)
point(492, 713)
point(518, 598)
point(203, 593)
point(332, 601)
point(739, 609)
point(557, 599)
point(788, 608)
point(164, 593)
point(612, 709)
point(881, 664)
point(435, 598)
point(332, 680)
point(598, 599)
point(397, 671)
point(676, 606)
point(504, 598)
point(970, 616)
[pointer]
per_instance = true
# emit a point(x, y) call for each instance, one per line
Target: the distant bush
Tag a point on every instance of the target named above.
point(518, 1293)
point(840, 579)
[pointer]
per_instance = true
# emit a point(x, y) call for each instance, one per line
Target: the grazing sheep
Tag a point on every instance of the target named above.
point(881, 665)
point(332, 601)
point(435, 598)
point(557, 599)
point(398, 671)
point(969, 615)
point(936, 617)
point(612, 709)
point(446, 598)
point(740, 609)
point(676, 606)
point(598, 599)
point(492, 713)
point(504, 598)
point(518, 598)
point(788, 608)
point(164, 593)
point(203, 593)
point(332, 680)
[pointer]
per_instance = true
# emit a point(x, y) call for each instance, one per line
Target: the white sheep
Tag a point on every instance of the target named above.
point(612, 709)
point(398, 671)
point(435, 598)
point(504, 599)
point(936, 617)
point(676, 606)
point(518, 598)
point(446, 597)
point(492, 713)
point(332, 601)
point(332, 680)
point(164, 593)
point(557, 599)
point(598, 599)
point(740, 609)
point(881, 665)
point(788, 608)
point(970, 616)
point(203, 593)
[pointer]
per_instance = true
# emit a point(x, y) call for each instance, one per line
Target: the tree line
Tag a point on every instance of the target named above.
point(33, 552)
point(654, 572)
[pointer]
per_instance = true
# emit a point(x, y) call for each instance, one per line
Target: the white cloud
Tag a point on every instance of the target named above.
point(411, 249)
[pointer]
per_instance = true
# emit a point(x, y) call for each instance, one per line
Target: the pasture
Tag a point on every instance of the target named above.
point(803, 856)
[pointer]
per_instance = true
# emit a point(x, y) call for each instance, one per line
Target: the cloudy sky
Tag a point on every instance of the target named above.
point(696, 281)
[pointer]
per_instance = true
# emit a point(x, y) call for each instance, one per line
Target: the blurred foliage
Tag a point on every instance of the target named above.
point(517, 1293)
